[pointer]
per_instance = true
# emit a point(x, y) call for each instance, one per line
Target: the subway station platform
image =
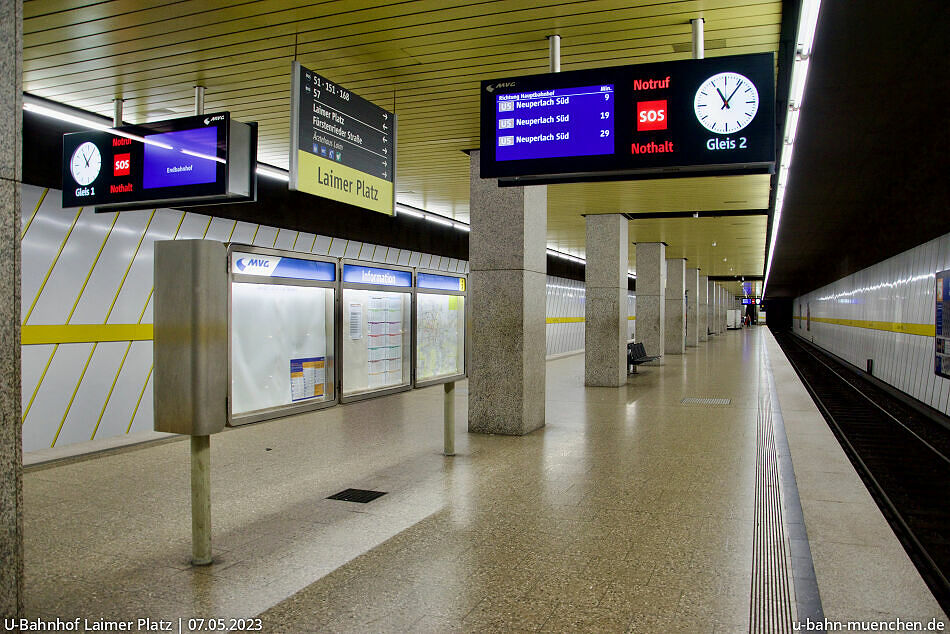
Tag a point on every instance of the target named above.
point(632, 510)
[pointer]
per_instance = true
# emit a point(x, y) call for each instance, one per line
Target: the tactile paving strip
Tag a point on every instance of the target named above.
point(692, 400)
point(770, 609)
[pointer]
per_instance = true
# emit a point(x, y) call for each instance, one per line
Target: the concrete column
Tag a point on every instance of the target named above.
point(11, 446)
point(675, 306)
point(714, 324)
point(722, 308)
point(605, 305)
point(508, 268)
point(703, 308)
point(651, 296)
point(692, 307)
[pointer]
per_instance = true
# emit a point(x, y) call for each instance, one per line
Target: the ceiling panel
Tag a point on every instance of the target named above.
point(424, 60)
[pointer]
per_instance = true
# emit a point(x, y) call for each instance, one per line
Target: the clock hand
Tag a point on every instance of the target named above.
point(725, 102)
point(733, 93)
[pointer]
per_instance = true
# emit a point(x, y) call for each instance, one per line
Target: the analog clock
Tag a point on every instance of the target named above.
point(726, 103)
point(85, 163)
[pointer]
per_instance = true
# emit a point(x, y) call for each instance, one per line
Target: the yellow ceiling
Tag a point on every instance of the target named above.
point(424, 60)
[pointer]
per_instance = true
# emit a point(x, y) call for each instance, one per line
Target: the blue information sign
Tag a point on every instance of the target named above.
point(554, 123)
point(440, 282)
point(275, 266)
point(355, 274)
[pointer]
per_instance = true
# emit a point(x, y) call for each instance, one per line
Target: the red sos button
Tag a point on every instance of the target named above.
point(651, 115)
point(121, 164)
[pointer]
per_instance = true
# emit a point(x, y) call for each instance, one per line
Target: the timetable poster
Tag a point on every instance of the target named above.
point(942, 325)
point(307, 378)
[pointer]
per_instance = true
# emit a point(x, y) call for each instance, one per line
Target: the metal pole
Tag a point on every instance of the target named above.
point(201, 500)
point(699, 51)
point(116, 112)
point(554, 52)
point(199, 100)
point(448, 417)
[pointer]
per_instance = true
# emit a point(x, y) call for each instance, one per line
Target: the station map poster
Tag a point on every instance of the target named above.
point(942, 325)
point(440, 336)
point(343, 147)
point(273, 327)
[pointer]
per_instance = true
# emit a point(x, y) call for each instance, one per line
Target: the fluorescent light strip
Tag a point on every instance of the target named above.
point(273, 172)
point(807, 23)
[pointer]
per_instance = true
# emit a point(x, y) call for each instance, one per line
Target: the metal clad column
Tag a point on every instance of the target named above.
point(11, 447)
point(702, 322)
point(605, 306)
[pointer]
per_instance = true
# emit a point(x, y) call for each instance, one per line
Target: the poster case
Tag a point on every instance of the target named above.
point(440, 328)
point(282, 326)
point(942, 324)
point(375, 330)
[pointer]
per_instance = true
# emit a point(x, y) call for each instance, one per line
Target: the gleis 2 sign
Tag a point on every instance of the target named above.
point(712, 115)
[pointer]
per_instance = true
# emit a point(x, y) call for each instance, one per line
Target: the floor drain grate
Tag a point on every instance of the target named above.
point(692, 400)
point(362, 496)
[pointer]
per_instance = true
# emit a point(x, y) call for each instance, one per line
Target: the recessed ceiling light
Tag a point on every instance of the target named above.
point(724, 259)
point(714, 244)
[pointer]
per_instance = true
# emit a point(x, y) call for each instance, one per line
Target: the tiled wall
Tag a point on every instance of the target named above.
point(885, 313)
point(87, 278)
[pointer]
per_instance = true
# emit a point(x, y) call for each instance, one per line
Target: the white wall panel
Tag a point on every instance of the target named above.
point(49, 406)
point(83, 413)
point(33, 361)
point(220, 229)
point(899, 290)
point(118, 414)
point(114, 261)
point(243, 233)
point(41, 244)
point(305, 242)
point(59, 294)
point(266, 236)
point(144, 414)
point(30, 197)
point(138, 283)
point(285, 239)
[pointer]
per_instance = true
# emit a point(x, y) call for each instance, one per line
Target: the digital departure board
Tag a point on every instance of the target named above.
point(343, 147)
point(188, 161)
point(713, 115)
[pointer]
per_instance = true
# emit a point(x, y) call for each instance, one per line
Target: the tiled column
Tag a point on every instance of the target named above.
point(508, 268)
point(651, 296)
point(675, 306)
point(714, 308)
point(11, 461)
point(722, 309)
point(692, 307)
point(703, 308)
point(605, 311)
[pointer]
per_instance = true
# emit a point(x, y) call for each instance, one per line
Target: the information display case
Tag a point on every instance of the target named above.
point(282, 326)
point(440, 320)
point(375, 330)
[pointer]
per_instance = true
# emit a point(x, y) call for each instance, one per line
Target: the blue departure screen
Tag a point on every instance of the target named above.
point(554, 123)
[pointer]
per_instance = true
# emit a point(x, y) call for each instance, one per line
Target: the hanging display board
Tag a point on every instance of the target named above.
point(942, 325)
point(714, 115)
point(180, 162)
point(376, 332)
point(282, 333)
point(343, 147)
point(440, 328)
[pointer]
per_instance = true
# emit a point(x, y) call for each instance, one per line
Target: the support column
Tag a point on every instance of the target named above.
point(703, 308)
point(675, 306)
point(508, 268)
point(605, 312)
point(11, 176)
point(692, 307)
point(651, 296)
point(722, 309)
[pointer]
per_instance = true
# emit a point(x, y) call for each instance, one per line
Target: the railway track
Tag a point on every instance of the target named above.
point(901, 454)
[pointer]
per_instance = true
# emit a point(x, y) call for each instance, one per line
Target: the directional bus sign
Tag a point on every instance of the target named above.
point(343, 147)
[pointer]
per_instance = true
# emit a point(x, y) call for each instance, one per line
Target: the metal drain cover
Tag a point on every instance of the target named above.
point(361, 496)
point(692, 400)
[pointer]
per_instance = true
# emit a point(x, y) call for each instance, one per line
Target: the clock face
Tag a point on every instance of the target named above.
point(85, 163)
point(726, 103)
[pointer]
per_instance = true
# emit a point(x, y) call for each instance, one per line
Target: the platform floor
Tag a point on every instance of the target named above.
point(629, 511)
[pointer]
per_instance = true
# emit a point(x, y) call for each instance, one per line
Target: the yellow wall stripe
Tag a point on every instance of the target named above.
point(129, 267)
point(95, 261)
point(924, 330)
point(26, 410)
point(102, 412)
point(575, 320)
point(139, 402)
point(75, 391)
point(85, 333)
point(33, 215)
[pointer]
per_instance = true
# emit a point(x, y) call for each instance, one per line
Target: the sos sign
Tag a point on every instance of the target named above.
point(651, 115)
point(122, 164)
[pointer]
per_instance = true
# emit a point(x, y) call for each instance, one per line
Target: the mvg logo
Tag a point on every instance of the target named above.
point(255, 264)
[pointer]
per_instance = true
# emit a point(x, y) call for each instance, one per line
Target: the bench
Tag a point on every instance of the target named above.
point(637, 354)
